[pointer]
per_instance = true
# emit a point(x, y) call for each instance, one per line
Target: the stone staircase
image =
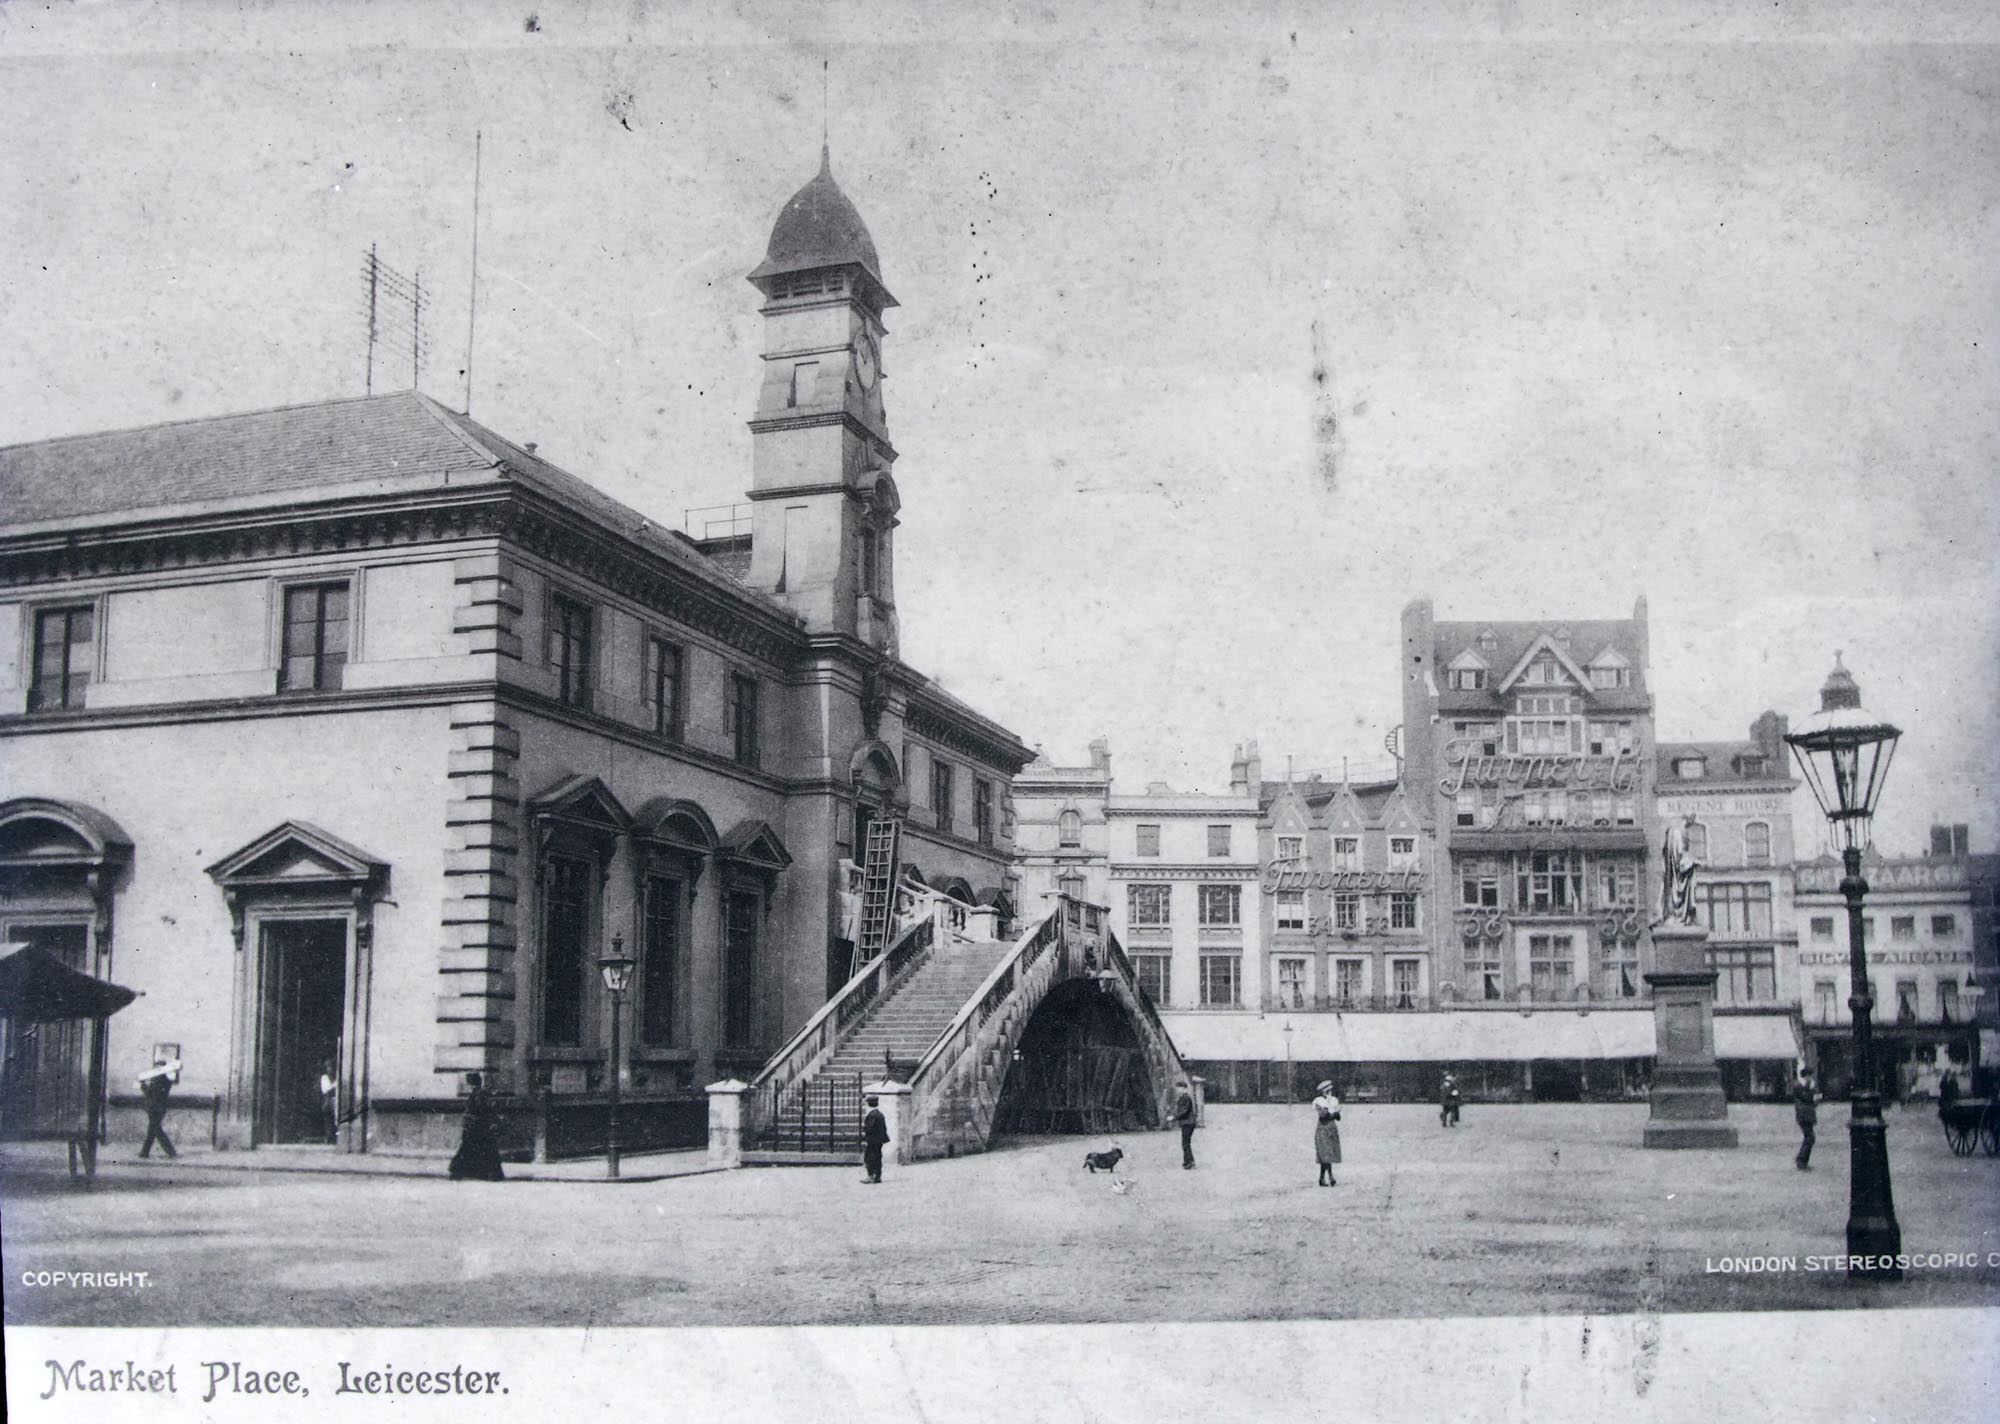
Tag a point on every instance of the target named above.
point(819, 1120)
point(902, 1029)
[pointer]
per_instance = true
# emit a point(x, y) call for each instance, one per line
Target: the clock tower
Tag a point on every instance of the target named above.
point(823, 504)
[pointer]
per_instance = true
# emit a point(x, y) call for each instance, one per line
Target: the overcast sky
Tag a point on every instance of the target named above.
point(1668, 302)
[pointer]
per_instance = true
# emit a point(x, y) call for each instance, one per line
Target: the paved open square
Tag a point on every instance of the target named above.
point(1523, 1209)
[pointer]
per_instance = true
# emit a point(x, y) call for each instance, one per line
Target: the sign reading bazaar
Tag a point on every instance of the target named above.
point(1468, 766)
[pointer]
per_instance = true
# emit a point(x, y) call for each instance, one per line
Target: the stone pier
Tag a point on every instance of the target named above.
point(1688, 1109)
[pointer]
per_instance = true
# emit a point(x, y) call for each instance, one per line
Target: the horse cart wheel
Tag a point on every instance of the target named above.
point(1962, 1135)
point(1989, 1132)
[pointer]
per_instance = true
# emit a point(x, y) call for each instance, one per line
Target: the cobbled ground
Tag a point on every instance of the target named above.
point(1522, 1210)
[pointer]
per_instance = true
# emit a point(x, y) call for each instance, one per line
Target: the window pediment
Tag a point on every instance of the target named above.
point(296, 855)
point(35, 831)
point(756, 845)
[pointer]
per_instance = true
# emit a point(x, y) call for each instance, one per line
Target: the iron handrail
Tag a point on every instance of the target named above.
point(820, 1033)
point(992, 991)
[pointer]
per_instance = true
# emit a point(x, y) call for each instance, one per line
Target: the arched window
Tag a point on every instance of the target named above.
point(1757, 843)
point(1697, 840)
point(1070, 829)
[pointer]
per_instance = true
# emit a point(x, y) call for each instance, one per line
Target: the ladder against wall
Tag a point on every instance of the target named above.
point(878, 888)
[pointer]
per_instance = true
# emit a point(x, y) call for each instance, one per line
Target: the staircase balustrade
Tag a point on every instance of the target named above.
point(1029, 957)
point(809, 1047)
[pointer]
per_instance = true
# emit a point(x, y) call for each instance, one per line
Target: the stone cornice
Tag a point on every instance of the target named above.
point(964, 732)
point(531, 521)
point(1125, 871)
point(767, 424)
point(521, 699)
point(237, 709)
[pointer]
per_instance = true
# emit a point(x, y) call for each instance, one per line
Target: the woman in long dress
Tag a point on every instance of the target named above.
point(1326, 1136)
point(478, 1155)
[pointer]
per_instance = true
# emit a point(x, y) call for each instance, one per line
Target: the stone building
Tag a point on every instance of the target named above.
point(1177, 872)
point(1733, 801)
point(1929, 965)
point(355, 733)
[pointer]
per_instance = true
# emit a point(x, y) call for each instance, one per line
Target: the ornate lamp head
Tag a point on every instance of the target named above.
point(1844, 753)
point(616, 967)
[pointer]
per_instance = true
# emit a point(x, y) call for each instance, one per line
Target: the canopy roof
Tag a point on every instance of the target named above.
point(37, 987)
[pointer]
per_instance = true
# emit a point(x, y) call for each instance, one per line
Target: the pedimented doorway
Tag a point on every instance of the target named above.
point(302, 982)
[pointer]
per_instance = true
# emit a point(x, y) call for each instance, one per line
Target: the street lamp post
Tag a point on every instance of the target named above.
point(1291, 1081)
point(616, 967)
point(1844, 754)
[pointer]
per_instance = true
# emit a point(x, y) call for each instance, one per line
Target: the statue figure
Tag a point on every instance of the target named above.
point(850, 900)
point(1677, 868)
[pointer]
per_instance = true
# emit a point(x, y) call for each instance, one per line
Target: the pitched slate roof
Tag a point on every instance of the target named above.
point(1587, 638)
point(1373, 796)
point(365, 441)
point(330, 450)
point(1724, 763)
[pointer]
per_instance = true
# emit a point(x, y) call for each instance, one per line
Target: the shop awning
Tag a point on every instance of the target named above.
point(1756, 1036)
point(37, 987)
point(1460, 1036)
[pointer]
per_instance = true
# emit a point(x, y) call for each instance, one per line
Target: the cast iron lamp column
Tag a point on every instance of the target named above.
point(616, 967)
point(1845, 753)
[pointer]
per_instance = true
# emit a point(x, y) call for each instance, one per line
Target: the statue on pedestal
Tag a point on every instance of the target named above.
point(1687, 1105)
point(1677, 868)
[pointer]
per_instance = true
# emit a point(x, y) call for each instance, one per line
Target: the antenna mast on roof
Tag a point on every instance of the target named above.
point(472, 304)
point(824, 83)
point(390, 295)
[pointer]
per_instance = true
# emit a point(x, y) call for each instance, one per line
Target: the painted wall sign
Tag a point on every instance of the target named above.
point(1467, 766)
point(1493, 924)
point(1291, 875)
point(1699, 806)
point(1321, 927)
point(1892, 956)
point(1907, 875)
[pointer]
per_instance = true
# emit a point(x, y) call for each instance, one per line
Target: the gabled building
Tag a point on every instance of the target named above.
point(353, 734)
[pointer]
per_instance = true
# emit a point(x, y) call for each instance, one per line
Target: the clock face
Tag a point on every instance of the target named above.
point(864, 361)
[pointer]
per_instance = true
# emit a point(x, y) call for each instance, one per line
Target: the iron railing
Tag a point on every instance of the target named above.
point(809, 1047)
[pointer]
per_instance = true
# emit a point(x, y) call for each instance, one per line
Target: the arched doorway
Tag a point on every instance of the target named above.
point(1078, 1068)
point(61, 864)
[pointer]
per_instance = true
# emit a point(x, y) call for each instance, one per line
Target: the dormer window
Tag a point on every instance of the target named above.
point(1467, 673)
point(1609, 669)
point(1751, 765)
point(1489, 641)
point(1690, 768)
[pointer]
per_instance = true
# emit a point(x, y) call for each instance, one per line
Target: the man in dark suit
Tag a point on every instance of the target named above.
point(1804, 1099)
point(1184, 1115)
point(874, 1136)
point(154, 1088)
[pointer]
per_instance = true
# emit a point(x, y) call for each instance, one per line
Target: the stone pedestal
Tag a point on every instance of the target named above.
point(1688, 1109)
point(895, 1105)
point(725, 1122)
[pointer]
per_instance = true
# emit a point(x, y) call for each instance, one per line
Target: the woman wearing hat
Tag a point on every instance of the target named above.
point(1326, 1136)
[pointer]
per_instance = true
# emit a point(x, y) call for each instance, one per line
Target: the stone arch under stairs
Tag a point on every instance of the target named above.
point(1071, 966)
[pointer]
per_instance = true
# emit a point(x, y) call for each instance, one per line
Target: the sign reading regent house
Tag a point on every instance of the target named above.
point(1468, 766)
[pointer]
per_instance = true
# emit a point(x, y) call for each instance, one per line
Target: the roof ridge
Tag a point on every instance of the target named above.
point(153, 425)
point(449, 419)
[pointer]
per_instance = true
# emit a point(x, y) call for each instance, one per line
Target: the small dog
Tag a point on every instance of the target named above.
point(1104, 1161)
